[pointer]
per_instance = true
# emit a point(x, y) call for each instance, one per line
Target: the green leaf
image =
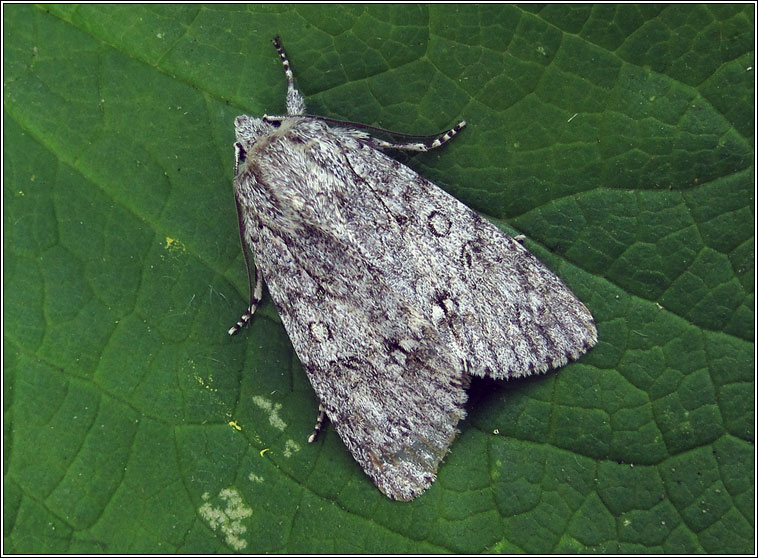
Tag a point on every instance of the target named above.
point(617, 138)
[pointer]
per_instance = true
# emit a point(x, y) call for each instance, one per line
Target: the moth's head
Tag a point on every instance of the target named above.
point(249, 129)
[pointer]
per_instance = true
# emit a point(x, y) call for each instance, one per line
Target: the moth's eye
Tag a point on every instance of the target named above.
point(240, 152)
point(275, 122)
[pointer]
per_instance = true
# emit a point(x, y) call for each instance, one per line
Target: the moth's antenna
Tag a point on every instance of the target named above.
point(295, 101)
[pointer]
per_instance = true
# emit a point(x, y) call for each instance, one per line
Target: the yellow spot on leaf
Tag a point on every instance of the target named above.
point(174, 244)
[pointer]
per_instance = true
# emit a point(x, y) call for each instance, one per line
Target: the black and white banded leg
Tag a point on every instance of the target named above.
point(319, 426)
point(420, 146)
point(255, 301)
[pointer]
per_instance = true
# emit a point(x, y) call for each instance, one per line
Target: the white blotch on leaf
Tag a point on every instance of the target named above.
point(273, 411)
point(227, 517)
point(290, 447)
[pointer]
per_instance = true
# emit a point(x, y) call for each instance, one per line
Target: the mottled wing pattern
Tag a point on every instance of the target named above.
point(391, 292)
point(392, 390)
point(504, 312)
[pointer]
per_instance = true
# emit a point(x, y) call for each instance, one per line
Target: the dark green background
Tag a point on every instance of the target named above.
point(618, 139)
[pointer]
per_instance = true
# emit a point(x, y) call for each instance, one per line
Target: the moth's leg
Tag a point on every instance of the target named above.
point(319, 424)
point(256, 292)
point(255, 301)
point(295, 101)
point(437, 141)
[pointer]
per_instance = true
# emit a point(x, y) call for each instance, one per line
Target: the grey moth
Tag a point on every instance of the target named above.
point(392, 292)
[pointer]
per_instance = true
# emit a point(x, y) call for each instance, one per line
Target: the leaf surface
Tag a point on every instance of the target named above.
point(618, 139)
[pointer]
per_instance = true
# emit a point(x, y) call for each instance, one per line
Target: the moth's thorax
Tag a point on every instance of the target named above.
point(256, 133)
point(291, 177)
point(250, 129)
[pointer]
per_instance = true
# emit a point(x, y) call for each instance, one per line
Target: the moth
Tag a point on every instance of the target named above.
point(392, 292)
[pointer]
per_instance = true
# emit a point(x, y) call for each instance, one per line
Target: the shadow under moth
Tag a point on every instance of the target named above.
point(392, 292)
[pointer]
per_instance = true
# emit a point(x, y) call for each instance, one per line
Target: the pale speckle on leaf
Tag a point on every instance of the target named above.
point(228, 518)
point(290, 447)
point(272, 409)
